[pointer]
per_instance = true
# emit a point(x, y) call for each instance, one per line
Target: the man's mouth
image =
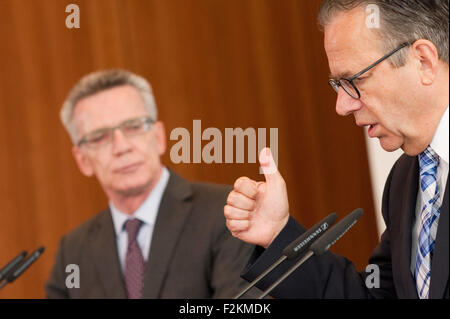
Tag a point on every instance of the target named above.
point(371, 130)
point(127, 169)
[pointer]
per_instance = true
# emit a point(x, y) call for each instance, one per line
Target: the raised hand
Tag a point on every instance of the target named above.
point(256, 212)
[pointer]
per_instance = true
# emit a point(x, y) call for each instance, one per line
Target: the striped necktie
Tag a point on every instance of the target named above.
point(428, 162)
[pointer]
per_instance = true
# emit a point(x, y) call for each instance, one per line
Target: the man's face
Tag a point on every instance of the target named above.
point(127, 165)
point(387, 93)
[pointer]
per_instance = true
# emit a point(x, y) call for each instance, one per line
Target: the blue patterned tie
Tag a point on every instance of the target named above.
point(134, 264)
point(428, 161)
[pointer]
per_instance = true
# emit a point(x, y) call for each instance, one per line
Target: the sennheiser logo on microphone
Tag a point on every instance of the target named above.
point(320, 230)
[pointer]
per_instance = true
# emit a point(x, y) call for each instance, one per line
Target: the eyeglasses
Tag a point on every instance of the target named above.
point(104, 136)
point(348, 84)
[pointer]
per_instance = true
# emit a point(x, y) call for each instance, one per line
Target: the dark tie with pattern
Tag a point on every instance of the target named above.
point(134, 263)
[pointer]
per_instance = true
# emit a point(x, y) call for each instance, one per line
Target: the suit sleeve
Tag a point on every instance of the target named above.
point(55, 287)
point(329, 275)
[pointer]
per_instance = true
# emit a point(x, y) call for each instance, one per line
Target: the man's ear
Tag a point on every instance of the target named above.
point(83, 162)
point(427, 56)
point(160, 136)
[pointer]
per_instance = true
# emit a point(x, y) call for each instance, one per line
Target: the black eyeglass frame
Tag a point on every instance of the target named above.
point(335, 84)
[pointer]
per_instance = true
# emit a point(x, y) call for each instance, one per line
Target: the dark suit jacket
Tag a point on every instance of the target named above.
point(192, 254)
point(332, 276)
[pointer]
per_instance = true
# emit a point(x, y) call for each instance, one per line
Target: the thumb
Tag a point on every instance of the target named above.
point(268, 166)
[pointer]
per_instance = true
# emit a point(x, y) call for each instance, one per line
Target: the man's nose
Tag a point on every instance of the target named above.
point(345, 104)
point(120, 143)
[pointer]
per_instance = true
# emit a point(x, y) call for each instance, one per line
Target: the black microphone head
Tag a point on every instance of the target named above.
point(336, 232)
point(13, 275)
point(302, 243)
point(12, 264)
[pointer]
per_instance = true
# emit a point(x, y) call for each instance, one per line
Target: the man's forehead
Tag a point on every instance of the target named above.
point(108, 107)
point(349, 43)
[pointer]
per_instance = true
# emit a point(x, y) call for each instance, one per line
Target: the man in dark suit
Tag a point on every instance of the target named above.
point(394, 78)
point(162, 236)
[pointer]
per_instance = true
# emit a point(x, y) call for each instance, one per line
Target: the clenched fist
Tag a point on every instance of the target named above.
point(256, 212)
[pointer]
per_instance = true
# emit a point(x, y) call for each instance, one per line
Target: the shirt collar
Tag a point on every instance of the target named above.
point(148, 211)
point(440, 139)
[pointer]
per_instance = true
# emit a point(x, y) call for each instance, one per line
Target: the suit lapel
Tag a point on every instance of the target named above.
point(439, 264)
point(407, 206)
point(103, 252)
point(173, 211)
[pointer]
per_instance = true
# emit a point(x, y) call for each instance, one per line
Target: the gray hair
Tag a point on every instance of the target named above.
point(400, 21)
point(99, 81)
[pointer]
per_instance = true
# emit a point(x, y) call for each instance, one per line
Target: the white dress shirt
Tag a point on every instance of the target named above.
point(440, 145)
point(147, 213)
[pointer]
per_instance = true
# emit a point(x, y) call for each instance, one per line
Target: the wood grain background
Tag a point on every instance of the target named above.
point(228, 63)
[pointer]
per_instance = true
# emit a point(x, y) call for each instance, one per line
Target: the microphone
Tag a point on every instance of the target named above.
point(321, 245)
point(335, 233)
point(13, 275)
point(296, 248)
point(12, 264)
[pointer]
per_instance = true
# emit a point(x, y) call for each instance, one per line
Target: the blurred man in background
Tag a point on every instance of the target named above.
point(394, 79)
point(161, 236)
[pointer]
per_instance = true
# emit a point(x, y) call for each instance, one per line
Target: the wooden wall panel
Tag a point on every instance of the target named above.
point(228, 63)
